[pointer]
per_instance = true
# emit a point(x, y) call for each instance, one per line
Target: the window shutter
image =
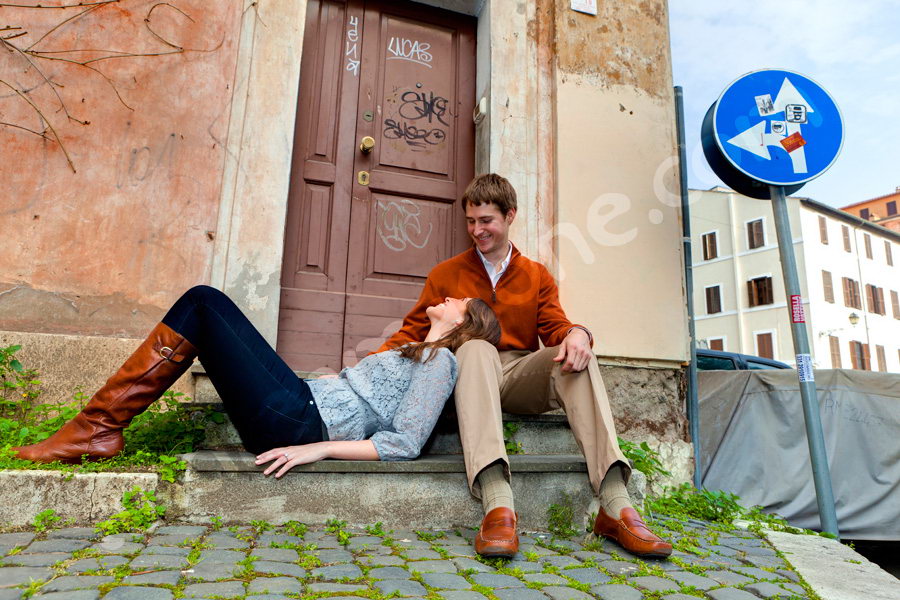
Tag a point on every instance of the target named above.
point(713, 247)
point(768, 292)
point(845, 284)
point(867, 358)
point(868, 240)
point(888, 256)
point(854, 355)
point(751, 293)
point(764, 345)
point(895, 304)
point(835, 345)
point(718, 344)
point(713, 300)
point(823, 230)
point(846, 231)
point(879, 300)
point(827, 287)
point(882, 362)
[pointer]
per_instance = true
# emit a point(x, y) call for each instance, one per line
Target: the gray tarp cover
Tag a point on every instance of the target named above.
point(753, 444)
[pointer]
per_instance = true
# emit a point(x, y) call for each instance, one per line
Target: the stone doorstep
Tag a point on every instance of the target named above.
point(428, 492)
point(237, 461)
point(546, 433)
point(538, 434)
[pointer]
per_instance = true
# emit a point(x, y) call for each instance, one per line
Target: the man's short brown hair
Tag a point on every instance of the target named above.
point(490, 188)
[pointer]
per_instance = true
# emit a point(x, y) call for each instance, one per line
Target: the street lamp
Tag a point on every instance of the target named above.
point(854, 318)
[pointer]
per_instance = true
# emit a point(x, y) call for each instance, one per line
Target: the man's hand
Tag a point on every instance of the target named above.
point(575, 352)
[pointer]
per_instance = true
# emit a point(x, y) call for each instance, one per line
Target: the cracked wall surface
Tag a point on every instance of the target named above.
point(105, 249)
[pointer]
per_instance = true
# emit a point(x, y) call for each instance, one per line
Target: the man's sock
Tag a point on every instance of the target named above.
point(495, 489)
point(613, 494)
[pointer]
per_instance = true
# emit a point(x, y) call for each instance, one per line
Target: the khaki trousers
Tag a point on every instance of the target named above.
point(522, 382)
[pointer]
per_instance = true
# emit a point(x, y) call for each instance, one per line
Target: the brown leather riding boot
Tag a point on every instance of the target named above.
point(97, 430)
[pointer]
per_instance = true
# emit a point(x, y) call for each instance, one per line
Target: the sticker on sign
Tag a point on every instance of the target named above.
point(797, 314)
point(805, 368)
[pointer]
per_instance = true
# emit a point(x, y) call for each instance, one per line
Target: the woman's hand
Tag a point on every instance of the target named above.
point(288, 457)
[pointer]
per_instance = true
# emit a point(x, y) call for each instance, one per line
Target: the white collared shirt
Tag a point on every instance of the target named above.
point(494, 273)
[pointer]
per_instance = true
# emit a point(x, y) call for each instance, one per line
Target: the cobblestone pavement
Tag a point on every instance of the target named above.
point(267, 563)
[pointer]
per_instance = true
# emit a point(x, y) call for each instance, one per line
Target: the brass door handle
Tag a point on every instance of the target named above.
point(367, 144)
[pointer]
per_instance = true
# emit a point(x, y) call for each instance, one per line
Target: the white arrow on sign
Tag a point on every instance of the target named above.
point(756, 140)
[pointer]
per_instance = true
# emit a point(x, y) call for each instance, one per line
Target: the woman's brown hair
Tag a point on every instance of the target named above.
point(479, 323)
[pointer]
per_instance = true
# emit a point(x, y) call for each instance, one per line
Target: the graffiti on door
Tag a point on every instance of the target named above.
point(415, 108)
point(400, 226)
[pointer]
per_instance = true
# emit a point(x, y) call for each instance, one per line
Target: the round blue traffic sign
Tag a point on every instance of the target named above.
point(776, 127)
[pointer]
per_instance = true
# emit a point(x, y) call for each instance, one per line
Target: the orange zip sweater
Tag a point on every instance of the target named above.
point(526, 300)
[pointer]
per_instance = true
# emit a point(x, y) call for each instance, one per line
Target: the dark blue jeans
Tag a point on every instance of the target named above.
point(268, 404)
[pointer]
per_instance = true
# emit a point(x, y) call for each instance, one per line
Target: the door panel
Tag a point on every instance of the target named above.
point(356, 255)
point(418, 79)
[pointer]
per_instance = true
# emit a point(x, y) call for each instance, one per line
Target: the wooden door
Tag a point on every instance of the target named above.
point(364, 229)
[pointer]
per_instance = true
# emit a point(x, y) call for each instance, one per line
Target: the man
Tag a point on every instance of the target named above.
point(518, 377)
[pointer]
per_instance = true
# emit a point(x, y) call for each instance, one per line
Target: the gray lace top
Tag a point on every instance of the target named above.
point(391, 400)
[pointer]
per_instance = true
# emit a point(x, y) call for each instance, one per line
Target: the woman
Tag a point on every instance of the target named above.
point(384, 408)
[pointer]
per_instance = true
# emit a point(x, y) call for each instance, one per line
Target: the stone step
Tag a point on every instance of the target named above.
point(428, 492)
point(536, 434)
point(542, 434)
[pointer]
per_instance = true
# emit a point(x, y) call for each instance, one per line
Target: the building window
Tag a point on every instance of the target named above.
point(895, 304)
point(852, 298)
point(835, 345)
point(713, 300)
point(823, 230)
point(868, 240)
point(859, 356)
point(827, 287)
point(865, 214)
point(882, 362)
point(891, 208)
point(760, 291)
point(875, 299)
point(845, 231)
point(764, 346)
point(710, 249)
point(755, 237)
point(888, 255)
point(716, 344)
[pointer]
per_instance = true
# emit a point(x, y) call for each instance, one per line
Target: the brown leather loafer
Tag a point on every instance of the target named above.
point(630, 532)
point(497, 537)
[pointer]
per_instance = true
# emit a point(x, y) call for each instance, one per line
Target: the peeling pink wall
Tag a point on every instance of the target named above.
point(105, 250)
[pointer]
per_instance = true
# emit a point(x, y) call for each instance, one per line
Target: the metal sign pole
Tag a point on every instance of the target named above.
point(814, 436)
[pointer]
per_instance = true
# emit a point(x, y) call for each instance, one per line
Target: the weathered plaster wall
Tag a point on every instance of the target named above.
point(70, 363)
point(618, 229)
point(102, 247)
point(249, 250)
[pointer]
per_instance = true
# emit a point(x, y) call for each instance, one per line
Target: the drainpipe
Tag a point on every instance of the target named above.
point(693, 408)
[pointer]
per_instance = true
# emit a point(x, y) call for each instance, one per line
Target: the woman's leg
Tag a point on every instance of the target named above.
point(97, 430)
point(268, 404)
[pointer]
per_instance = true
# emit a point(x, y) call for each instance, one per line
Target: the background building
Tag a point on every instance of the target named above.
point(882, 210)
point(848, 277)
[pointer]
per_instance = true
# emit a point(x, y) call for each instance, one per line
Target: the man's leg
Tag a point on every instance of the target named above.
point(583, 397)
point(477, 399)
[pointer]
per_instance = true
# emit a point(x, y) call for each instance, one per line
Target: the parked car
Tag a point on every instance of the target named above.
point(717, 360)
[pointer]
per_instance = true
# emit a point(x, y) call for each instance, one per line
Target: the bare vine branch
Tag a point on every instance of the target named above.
point(46, 122)
point(33, 55)
point(62, 23)
point(37, 133)
point(77, 5)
